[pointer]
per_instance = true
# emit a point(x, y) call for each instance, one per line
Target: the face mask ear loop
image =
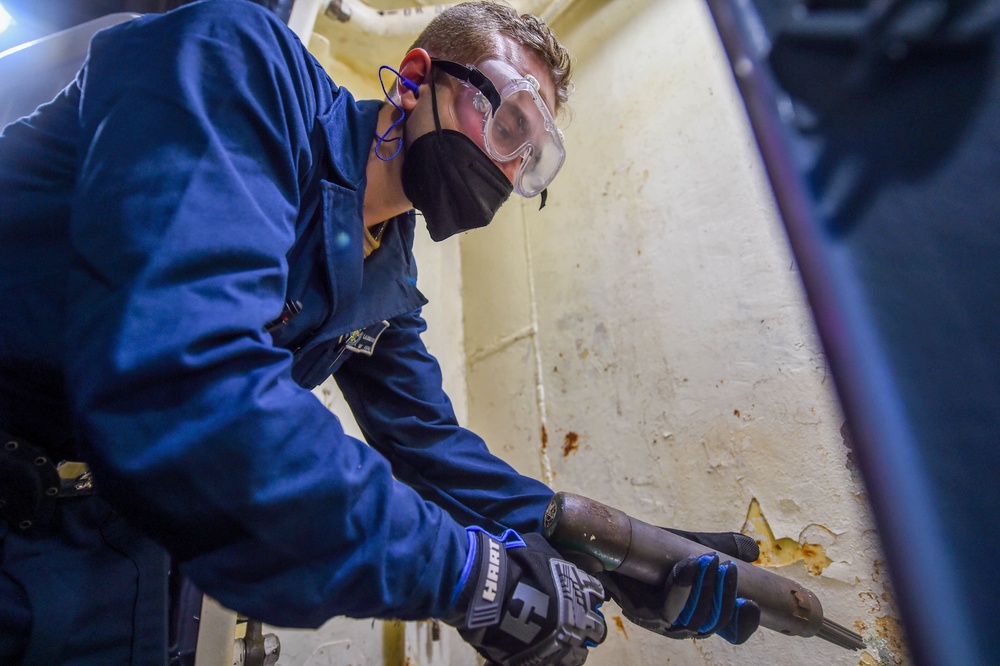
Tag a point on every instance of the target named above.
point(382, 138)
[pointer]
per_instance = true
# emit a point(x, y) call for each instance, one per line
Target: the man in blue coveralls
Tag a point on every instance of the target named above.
point(194, 233)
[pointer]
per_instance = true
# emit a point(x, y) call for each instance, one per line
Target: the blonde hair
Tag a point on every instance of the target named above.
point(468, 31)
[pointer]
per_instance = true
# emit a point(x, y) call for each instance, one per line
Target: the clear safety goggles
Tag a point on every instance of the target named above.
point(516, 123)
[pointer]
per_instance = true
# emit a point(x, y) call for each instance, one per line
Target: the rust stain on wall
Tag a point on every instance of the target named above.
point(784, 551)
point(545, 439)
point(891, 630)
point(571, 443)
point(884, 635)
point(620, 625)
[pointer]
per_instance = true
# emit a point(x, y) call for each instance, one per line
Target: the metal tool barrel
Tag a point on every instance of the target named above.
point(596, 536)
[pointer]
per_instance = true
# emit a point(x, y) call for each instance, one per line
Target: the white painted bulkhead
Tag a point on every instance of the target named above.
point(644, 340)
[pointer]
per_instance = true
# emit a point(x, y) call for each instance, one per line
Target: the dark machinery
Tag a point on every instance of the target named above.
point(879, 122)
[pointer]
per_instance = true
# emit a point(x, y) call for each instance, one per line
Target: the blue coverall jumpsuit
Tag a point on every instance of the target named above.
point(201, 173)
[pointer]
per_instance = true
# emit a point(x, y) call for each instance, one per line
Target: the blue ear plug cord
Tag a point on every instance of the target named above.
point(382, 138)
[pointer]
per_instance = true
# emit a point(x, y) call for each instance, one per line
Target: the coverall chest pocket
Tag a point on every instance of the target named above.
point(343, 236)
point(324, 269)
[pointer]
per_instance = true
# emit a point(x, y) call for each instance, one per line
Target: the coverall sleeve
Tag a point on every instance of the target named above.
point(196, 128)
point(397, 398)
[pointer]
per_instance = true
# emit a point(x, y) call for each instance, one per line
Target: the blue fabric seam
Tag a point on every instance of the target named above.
point(467, 569)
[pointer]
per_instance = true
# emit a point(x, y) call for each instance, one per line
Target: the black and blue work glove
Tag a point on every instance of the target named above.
point(521, 603)
point(698, 598)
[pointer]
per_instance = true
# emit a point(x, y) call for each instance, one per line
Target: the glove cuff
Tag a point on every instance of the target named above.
point(479, 594)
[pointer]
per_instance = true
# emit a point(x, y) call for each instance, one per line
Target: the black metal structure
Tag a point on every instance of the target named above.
point(879, 124)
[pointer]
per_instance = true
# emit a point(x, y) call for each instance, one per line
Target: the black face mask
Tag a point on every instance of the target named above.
point(452, 181)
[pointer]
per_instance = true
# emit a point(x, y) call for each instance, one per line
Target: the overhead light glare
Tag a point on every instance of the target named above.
point(6, 20)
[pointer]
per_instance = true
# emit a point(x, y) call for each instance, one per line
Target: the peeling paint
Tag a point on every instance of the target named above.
point(887, 646)
point(884, 633)
point(571, 443)
point(867, 660)
point(871, 598)
point(891, 630)
point(784, 551)
point(789, 506)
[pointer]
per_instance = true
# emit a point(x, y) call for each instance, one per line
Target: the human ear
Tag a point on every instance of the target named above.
point(415, 73)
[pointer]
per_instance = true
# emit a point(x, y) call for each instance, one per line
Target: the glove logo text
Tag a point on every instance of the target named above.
point(492, 572)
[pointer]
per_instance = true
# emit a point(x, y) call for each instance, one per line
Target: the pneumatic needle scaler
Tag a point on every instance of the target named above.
point(597, 537)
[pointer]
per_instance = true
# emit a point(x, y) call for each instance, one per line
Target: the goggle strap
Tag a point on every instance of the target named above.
point(473, 77)
point(434, 107)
